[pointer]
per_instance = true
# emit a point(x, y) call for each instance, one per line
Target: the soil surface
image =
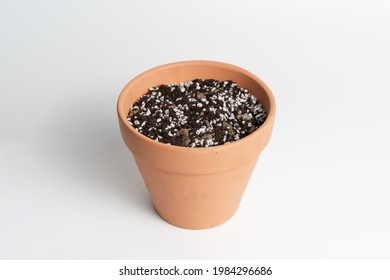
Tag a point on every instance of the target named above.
point(197, 113)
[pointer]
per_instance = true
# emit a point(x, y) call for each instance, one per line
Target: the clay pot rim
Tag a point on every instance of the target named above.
point(219, 148)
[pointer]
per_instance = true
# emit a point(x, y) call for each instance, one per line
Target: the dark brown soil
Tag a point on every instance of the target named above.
point(198, 113)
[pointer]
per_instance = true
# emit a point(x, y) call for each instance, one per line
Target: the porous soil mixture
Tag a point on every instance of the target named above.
point(197, 113)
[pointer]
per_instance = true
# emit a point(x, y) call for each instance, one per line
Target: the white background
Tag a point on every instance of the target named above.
point(69, 188)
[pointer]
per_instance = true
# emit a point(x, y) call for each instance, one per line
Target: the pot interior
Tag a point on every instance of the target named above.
point(181, 72)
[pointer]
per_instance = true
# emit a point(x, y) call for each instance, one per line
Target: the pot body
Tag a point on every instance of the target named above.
point(195, 188)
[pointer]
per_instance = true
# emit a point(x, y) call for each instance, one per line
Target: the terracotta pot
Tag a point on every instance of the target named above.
point(195, 188)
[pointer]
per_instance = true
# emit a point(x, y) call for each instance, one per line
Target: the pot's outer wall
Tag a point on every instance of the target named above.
point(195, 187)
